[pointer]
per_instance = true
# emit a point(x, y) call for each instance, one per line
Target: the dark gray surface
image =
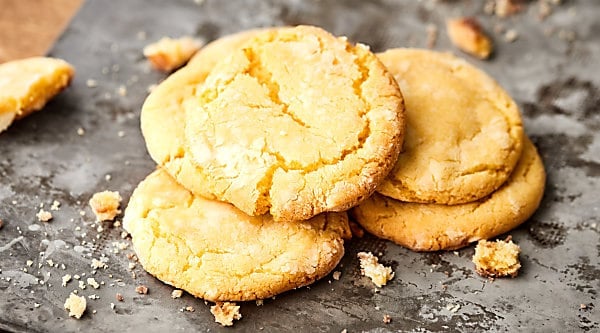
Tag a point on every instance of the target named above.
point(43, 159)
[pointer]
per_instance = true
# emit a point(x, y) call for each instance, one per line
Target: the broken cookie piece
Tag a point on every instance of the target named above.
point(168, 54)
point(26, 85)
point(105, 205)
point(467, 34)
point(371, 268)
point(76, 305)
point(225, 313)
point(497, 259)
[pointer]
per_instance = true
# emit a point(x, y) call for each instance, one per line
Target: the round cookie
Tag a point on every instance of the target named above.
point(294, 123)
point(432, 227)
point(216, 252)
point(463, 131)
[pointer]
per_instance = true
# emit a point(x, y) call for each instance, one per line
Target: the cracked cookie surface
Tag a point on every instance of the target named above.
point(463, 131)
point(294, 122)
point(26, 85)
point(433, 227)
point(216, 252)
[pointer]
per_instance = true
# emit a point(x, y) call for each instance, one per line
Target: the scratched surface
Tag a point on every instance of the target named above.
point(554, 79)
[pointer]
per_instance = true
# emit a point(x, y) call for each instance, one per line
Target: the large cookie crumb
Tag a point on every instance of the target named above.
point(225, 313)
point(76, 305)
point(467, 34)
point(370, 267)
point(497, 259)
point(168, 54)
point(105, 205)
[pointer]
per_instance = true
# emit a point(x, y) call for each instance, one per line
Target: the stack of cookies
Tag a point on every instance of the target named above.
point(467, 171)
point(263, 141)
point(266, 138)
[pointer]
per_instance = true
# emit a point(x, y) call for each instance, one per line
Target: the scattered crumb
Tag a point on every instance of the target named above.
point(119, 297)
point(94, 296)
point(387, 319)
point(124, 234)
point(497, 259)
point(582, 306)
point(112, 306)
point(92, 282)
point(225, 313)
point(43, 215)
point(76, 305)
point(189, 308)
point(36, 305)
point(370, 267)
point(336, 275)
point(97, 264)
point(504, 8)
point(344, 331)
point(176, 293)
point(467, 34)
point(80, 131)
point(151, 87)
point(65, 279)
point(108, 177)
point(511, 35)
point(141, 289)
point(120, 134)
point(105, 205)
point(91, 83)
point(29, 263)
point(260, 302)
point(55, 205)
point(432, 34)
point(81, 285)
point(131, 265)
point(122, 91)
point(168, 54)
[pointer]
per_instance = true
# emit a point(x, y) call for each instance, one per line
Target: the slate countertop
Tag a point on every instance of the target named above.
point(551, 70)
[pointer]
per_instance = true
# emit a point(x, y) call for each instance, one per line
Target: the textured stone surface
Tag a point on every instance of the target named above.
point(42, 158)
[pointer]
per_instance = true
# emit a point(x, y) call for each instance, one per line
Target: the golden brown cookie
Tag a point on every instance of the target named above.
point(214, 251)
point(463, 132)
point(295, 122)
point(26, 85)
point(432, 227)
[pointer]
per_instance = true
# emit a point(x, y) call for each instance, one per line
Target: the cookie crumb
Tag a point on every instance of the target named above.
point(387, 319)
point(65, 279)
point(105, 205)
point(582, 306)
point(189, 308)
point(141, 289)
point(467, 34)
point(36, 305)
point(453, 307)
point(112, 306)
point(225, 313)
point(505, 8)
point(336, 275)
point(55, 205)
point(92, 282)
point(497, 259)
point(168, 54)
point(76, 305)
point(260, 302)
point(44, 215)
point(119, 297)
point(176, 293)
point(370, 267)
point(91, 83)
point(511, 35)
point(97, 264)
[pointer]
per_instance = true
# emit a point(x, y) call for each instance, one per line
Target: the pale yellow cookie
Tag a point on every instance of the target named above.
point(294, 123)
point(26, 85)
point(463, 131)
point(216, 252)
point(432, 227)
